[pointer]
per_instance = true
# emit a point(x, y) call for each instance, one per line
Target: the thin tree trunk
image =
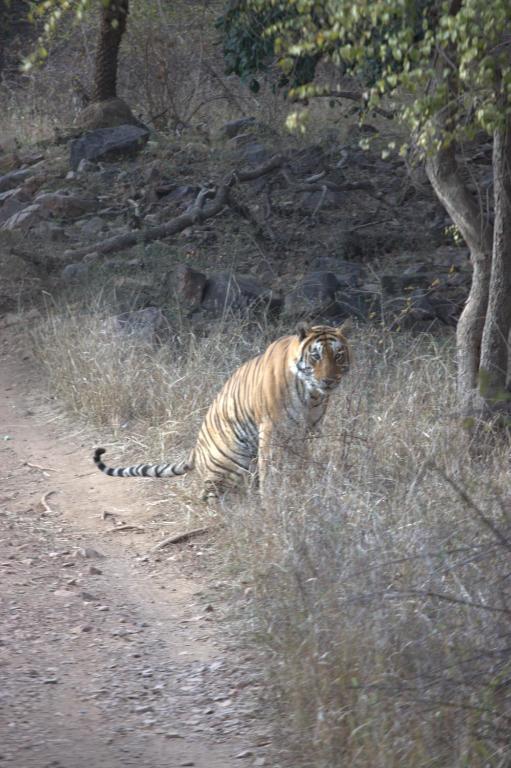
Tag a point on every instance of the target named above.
point(473, 224)
point(494, 351)
point(113, 25)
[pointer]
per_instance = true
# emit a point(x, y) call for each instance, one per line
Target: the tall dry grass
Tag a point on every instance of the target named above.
point(376, 573)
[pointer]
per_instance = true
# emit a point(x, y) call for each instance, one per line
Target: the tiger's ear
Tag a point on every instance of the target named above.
point(346, 327)
point(302, 329)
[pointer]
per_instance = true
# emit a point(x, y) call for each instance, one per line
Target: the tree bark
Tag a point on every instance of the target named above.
point(475, 228)
point(495, 351)
point(114, 16)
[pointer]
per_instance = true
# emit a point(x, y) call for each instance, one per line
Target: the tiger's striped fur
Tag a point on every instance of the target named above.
point(282, 392)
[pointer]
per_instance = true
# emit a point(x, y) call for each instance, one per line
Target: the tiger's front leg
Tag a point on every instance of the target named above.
point(264, 454)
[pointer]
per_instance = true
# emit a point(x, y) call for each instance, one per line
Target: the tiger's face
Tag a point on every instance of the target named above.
point(324, 357)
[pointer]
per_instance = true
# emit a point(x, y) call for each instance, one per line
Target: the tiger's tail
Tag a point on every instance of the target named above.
point(144, 470)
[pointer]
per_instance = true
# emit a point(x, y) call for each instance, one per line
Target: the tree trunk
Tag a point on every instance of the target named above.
point(475, 228)
point(495, 351)
point(114, 15)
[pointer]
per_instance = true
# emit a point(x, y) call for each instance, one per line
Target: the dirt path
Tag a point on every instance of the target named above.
point(108, 657)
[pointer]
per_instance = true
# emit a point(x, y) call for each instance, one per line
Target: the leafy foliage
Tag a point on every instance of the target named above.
point(49, 14)
point(451, 56)
point(249, 47)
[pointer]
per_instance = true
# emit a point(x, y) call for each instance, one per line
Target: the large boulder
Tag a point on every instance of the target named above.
point(66, 206)
point(108, 144)
point(314, 295)
point(225, 293)
point(14, 178)
point(24, 219)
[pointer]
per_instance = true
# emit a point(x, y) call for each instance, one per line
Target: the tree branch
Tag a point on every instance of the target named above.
point(199, 211)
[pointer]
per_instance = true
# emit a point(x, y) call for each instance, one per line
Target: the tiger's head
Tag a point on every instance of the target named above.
point(323, 356)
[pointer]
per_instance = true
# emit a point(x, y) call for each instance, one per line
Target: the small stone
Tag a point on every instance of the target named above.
point(88, 553)
point(103, 608)
point(245, 753)
point(141, 709)
point(173, 735)
point(93, 571)
point(88, 597)
point(64, 593)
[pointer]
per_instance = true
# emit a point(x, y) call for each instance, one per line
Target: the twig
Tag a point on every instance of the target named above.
point(45, 504)
point(38, 466)
point(178, 537)
point(126, 527)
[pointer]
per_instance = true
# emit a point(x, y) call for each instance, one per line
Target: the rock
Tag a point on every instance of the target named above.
point(234, 127)
point(189, 286)
point(65, 206)
point(307, 160)
point(92, 227)
point(50, 231)
point(142, 324)
point(88, 553)
point(85, 166)
point(73, 273)
point(106, 114)
point(9, 208)
point(355, 302)
point(4, 196)
point(225, 292)
point(12, 179)
point(348, 273)
point(313, 202)
point(9, 161)
point(108, 143)
point(24, 219)
point(314, 296)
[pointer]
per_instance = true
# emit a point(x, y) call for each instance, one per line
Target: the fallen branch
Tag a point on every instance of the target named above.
point(44, 503)
point(178, 537)
point(38, 466)
point(198, 212)
point(126, 527)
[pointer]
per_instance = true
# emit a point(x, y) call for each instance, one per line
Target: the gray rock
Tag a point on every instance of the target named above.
point(350, 274)
point(65, 206)
point(234, 127)
point(140, 325)
point(73, 273)
point(12, 179)
point(8, 194)
point(307, 160)
point(85, 166)
point(24, 219)
point(9, 208)
point(225, 292)
point(315, 295)
point(92, 227)
point(313, 202)
point(108, 143)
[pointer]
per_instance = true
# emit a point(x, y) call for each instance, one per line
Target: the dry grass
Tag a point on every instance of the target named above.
point(378, 576)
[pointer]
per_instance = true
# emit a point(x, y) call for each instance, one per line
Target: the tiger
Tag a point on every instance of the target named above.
point(283, 391)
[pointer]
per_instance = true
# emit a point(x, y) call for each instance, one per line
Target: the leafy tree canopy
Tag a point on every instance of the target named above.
point(453, 57)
